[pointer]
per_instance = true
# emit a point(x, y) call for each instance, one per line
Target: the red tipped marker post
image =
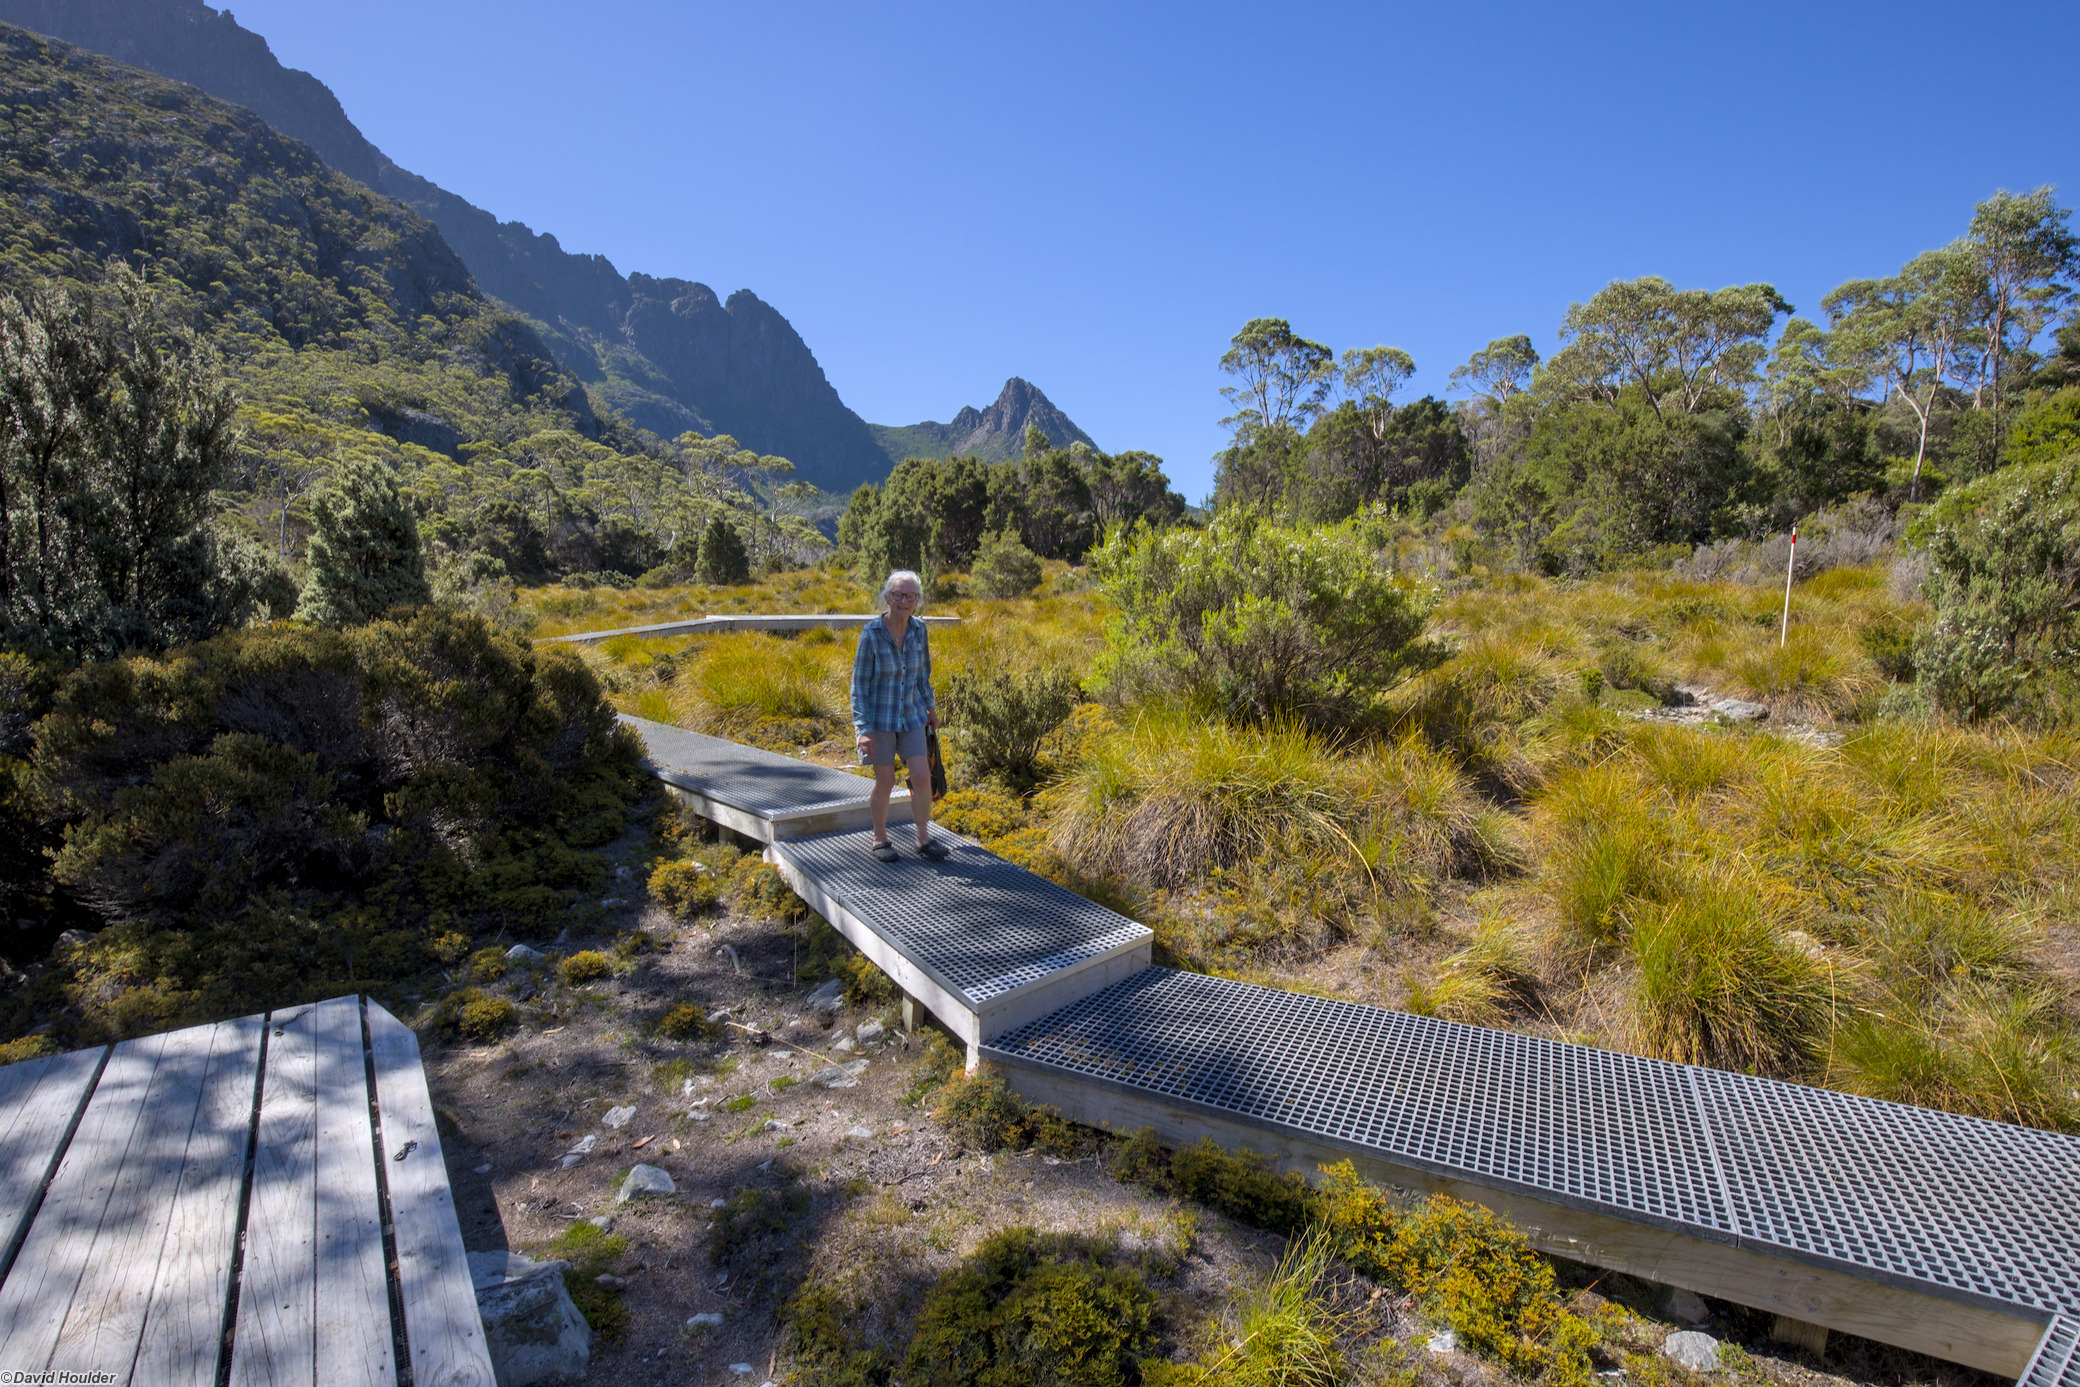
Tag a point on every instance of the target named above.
point(1790, 564)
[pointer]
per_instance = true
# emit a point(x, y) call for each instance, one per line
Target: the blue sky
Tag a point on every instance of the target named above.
point(1095, 197)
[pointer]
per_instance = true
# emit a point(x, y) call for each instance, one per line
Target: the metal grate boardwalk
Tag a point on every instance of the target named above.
point(1975, 1210)
point(2057, 1362)
point(1952, 1235)
point(762, 783)
point(980, 926)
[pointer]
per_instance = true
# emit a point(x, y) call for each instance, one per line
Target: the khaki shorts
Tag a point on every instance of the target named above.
point(888, 745)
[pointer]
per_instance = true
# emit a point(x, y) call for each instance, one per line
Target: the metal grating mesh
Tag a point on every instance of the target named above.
point(1985, 1209)
point(764, 783)
point(975, 922)
point(2057, 1360)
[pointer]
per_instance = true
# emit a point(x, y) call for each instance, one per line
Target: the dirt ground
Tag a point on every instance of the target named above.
point(873, 1197)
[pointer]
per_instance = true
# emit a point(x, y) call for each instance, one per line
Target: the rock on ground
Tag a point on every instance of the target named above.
point(645, 1180)
point(1689, 1349)
point(535, 1335)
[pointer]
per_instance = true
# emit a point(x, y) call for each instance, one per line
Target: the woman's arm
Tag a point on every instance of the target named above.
point(862, 677)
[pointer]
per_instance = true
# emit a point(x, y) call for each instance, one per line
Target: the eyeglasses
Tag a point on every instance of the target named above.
point(900, 596)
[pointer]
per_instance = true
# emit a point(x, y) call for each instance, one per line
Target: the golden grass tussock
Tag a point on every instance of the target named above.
point(1168, 799)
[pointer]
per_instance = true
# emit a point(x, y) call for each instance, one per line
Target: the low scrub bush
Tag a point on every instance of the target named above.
point(834, 1340)
point(686, 1021)
point(1478, 1274)
point(756, 888)
point(1238, 1183)
point(685, 889)
point(1001, 719)
point(1475, 704)
point(1253, 620)
point(488, 965)
point(1287, 1330)
point(984, 815)
point(1030, 1307)
point(587, 965)
point(980, 1108)
point(2004, 580)
point(288, 813)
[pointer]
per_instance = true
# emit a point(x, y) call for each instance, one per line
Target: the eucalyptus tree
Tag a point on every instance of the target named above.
point(1913, 332)
point(1680, 348)
point(2023, 247)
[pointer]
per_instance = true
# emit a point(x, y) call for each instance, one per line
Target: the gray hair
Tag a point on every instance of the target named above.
point(901, 575)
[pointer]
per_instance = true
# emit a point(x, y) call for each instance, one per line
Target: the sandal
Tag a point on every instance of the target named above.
point(933, 849)
point(886, 852)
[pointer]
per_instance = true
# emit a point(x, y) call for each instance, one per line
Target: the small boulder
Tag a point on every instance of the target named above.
point(618, 1117)
point(1444, 1340)
point(601, 1222)
point(1738, 710)
point(871, 1031)
point(1687, 1306)
point(607, 1281)
point(844, 1045)
point(708, 1320)
point(828, 998)
point(520, 953)
point(833, 1077)
point(1687, 1348)
point(860, 1133)
point(534, 1334)
point(645, 1181)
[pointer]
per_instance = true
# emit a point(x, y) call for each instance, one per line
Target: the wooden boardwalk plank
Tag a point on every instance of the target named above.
point(107, 1316)
point(39, 1290)
point(275, 1343)
point(39, 1100)
point(354, 1339)
point(183, 1329)
point(444, 1334)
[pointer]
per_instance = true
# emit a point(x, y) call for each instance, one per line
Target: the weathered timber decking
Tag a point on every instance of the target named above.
point(212, 1205)
point(1950, 1235)
point(718, 625)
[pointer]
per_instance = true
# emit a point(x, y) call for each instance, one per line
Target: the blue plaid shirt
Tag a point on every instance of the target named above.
point(891, 688)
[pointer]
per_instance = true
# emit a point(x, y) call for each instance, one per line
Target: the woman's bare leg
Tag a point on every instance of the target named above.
point(877, 802)
point(921, 798)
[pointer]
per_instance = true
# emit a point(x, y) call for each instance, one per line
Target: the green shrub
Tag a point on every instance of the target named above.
point(722, 560)
point(1030, 1307)
point(685, 889)
point(488, 965)
point(999, 720)
point(984, 1113)
point(831, 1342)
point(1475, 1272)
point(984, 815)
point(687, 1021)
point(2004, 579)
point(756, 888)
point(1004, 567)
point(1256, 620)
point(634, 944)
point(587, 965)
point(487, 1018)
point(280, 814)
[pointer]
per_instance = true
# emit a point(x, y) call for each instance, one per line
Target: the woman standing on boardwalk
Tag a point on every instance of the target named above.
point(893, 707)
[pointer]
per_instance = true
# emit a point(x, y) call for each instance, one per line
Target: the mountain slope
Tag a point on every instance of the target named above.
point(994, 434)
point(670, 354)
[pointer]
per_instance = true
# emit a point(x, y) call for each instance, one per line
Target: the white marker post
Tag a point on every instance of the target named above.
point(1790, 564)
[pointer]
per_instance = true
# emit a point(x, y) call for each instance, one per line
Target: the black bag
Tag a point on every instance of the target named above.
point(931, 751)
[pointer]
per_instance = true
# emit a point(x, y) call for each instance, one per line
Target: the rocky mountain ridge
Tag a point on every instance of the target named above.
point(670, 354)
point(995, 434)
